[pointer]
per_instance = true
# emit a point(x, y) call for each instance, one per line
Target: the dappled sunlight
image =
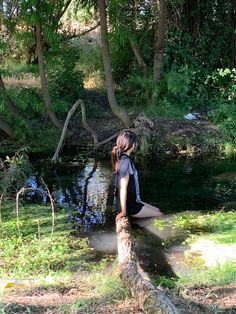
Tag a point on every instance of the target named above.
point(212, 253)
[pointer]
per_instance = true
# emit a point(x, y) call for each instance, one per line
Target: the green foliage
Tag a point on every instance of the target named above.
point(169, 97)
point(20, 69)
point(28, 101)
point(224, 115)
point(223, 81)
point(178, 81)
point(14, 171)
point(165, 282)
point(219, 275)
point(65, 81)
point(91, 65)
point(34, 253)
point(209, 222)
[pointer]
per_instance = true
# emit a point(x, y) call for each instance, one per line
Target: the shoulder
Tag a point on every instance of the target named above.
point(125, 166)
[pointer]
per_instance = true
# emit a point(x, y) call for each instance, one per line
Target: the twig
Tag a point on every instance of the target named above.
point(52, 206)
point(39, 234)
point(22, 190)
point(1, 198)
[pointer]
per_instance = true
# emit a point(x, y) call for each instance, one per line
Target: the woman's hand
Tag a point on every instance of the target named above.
point(119, 216)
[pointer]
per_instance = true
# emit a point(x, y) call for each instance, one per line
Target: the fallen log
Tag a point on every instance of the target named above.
point(63, 134)
point(151, 299)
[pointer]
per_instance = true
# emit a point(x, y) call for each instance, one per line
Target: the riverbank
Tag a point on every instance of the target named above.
point(65, 275)
point(170, 138)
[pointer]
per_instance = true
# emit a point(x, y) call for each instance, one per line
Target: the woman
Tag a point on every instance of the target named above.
point(127, 188)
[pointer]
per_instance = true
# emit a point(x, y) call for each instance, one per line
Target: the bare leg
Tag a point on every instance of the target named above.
point(148, 211)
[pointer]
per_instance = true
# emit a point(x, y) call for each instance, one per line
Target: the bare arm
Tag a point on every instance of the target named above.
point(123, 196)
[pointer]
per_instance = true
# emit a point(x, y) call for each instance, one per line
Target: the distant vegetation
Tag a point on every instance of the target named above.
point(167, 60)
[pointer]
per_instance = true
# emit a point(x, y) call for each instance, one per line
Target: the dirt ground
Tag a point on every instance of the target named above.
point(195, 300)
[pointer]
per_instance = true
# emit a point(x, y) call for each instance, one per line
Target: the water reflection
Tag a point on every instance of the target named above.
point(82, 191)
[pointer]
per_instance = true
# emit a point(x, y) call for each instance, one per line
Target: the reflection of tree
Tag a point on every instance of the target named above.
point(90, 175)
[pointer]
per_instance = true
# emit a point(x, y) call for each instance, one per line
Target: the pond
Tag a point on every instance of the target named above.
point(174, 186)
point(84, 188)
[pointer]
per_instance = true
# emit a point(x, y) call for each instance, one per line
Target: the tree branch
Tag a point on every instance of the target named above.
point(83, 33)
point(60, 14)
point(86, 125)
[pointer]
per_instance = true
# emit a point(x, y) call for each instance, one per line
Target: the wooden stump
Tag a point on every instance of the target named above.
point(152, 300)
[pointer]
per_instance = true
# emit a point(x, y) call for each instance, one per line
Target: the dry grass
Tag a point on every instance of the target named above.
point(26, 81)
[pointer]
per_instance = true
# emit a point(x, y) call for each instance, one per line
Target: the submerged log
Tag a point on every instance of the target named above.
point(151, 299)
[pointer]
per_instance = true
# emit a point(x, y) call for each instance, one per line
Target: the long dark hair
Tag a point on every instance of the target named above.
point(125, 140)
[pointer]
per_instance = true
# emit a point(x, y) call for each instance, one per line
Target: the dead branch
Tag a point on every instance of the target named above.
point(63, 134)
point(151, 299)
point(139, 57)
point(22, 190)
point(83, 33)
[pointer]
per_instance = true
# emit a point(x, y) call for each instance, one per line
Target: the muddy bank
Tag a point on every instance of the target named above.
point(169, 138)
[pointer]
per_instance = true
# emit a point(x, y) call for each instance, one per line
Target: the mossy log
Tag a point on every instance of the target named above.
point(151, 299)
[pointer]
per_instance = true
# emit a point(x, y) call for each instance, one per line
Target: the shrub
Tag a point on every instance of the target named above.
point(224, 115)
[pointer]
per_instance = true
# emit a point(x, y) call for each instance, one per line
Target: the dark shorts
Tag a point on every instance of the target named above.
point(132, 206)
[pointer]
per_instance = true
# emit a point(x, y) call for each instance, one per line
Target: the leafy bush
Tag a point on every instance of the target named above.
point(168, 97)
point(14, 171)
point(223, 81)
point(28, 101)
point(91, 65)
point(224, 115)
point(64, 79)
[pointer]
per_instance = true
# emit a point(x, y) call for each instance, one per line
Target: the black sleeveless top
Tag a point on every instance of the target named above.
point(133, 203)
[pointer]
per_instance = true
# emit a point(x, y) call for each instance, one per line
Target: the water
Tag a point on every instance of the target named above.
point(174, 186)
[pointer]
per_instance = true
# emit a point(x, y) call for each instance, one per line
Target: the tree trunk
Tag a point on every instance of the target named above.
point(152, 300)
point(1, 14)
point(4, 126)
point(9, 102)
point(46, 97)
point(160, 40)
point(139, 57)
point(122, 115)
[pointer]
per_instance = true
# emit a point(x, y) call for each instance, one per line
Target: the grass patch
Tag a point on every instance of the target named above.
point(19, 69)
point(211, 222)
point(220, 275)
point(34, 253)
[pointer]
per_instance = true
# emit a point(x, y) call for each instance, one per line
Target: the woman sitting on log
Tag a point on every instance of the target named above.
point(127, 193)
